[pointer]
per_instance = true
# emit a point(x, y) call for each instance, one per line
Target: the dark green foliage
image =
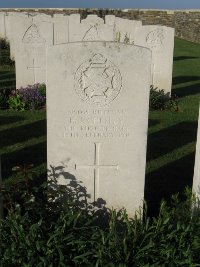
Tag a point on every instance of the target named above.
point(4, 96)
point(5, 53)
point(16, 102)
point(67, 231)
point(159, 100)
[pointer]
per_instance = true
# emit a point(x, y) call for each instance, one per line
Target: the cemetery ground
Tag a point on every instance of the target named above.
point(171, 135)
point(170, 165)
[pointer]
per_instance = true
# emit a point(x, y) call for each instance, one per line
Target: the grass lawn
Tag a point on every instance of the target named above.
point(7, 71)
point(171, 137)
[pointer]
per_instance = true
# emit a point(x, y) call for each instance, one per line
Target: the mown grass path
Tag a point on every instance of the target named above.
point(172, 135)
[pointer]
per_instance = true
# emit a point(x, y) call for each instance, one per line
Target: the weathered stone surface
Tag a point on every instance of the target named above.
point(14, 23)
point(97, 116)
point(26, 28)
point(30, 34)
point(30, 54)
point(93, 28)
point(30, 63)
point(196, 178)
point(61, 29)
point(2, 25)
point(185, 22)
point(125, 30)
point(160, 40)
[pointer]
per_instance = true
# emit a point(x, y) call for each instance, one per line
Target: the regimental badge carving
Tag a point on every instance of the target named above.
point(32, 35)
point(155, 38)
point(98, 81)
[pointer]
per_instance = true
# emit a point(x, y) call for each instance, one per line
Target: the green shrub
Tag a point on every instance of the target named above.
point(67, 231)
point(42, 89)
point(28, 98)
point(159, 100)
point(4, 96)
point(15, 101)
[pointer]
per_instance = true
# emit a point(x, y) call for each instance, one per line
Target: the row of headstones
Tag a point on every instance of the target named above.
point(98, 84)
point(30, 34)
point(97, 120)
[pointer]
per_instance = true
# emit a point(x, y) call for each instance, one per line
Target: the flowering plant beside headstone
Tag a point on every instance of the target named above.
point(28, 98)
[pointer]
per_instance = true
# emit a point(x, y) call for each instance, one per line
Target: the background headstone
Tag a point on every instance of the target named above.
point(61, 29)
point(125, 30)
point(94, 28)
point(196, 178)
point(15, 22)
point(30, 35)
point(2, 25)
point(97, 116)
point(160, 40)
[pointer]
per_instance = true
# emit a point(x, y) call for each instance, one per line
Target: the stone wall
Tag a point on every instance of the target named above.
point(185, 22)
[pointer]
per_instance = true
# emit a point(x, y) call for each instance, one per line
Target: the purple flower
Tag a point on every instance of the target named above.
point(34, 96)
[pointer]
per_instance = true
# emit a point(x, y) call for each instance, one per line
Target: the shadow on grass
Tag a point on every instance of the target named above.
point(153, 122)
point(168, 180)
point(183, 58)
point(23, 133)
point(4, 120)
point(187, 90)
point(7, 78)
point(8, 83)
point(35, 154)
point(166, 140)
point(7, 74)
point(184, 79)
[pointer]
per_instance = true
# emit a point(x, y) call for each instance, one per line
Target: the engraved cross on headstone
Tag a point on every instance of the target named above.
point(96, 167)
point(34, 68)
point(154, 72)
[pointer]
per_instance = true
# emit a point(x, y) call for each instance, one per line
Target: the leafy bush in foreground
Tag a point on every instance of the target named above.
point(159, 100)
point(28, 98)
point(67, 231)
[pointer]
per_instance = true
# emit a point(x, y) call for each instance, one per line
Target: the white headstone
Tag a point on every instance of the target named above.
point(31, 54)
point(30, 64)
point(160, 40)
point(30, 35)
point(196, 178)
point(15, 22)
point(61, 29)
point(97, 116)
point(94, 28)
point(125, 30)
point(2, 25)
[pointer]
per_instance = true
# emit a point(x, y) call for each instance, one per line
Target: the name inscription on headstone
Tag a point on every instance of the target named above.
point(96, 123)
